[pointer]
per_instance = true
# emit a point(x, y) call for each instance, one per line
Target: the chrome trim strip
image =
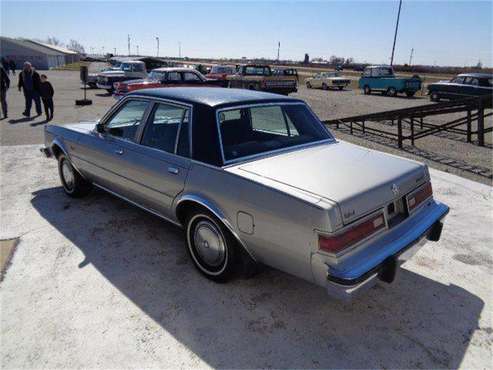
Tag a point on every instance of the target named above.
point(138, 205)
point(242, 159)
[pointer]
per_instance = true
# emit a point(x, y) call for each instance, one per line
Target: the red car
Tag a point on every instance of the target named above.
point(167, 77)
point(221, 72)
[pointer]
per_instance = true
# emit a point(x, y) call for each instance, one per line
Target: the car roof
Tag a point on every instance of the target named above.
point(174, 69)
point(214, 97)
point(133, 61)
point(477, 75)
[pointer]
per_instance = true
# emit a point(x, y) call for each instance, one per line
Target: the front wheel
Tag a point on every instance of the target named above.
point(340, 87)
point(110, 91)
point(434, 97)
point(73, 183)
point(410, 94)
point(324, 86)
point(391, 91)
point(308, 85)
point(212, 247)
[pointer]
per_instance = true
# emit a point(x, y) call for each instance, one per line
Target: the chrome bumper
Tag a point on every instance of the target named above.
point(386, 271)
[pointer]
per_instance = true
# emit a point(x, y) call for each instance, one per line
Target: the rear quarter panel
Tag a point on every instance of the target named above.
point(283, 235)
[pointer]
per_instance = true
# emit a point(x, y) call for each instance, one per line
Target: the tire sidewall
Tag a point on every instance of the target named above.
point(225, 266)
point(61, 160)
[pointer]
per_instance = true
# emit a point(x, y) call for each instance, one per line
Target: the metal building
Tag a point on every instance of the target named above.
point(70, 55)
point(20, 51)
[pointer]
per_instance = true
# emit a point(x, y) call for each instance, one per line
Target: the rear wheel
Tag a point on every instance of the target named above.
point(366, 90)
point(340, 87)
point(73, 183)
point(110, 91)
point(212, 247)
point(391, 91)
point(434, 97)
point(410, 94)
point(324, 86)
point(308, 85)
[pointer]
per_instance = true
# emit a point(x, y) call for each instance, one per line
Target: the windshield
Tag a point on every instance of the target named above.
point(157, 75)
point(222, 69)
point(257, 129)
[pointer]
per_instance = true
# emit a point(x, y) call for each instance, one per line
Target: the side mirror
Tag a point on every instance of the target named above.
point(99, 128)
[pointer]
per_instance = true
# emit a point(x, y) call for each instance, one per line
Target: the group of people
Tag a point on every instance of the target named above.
point(36, 88)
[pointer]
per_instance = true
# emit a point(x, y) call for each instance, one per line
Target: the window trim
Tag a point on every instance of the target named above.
point(263, 154)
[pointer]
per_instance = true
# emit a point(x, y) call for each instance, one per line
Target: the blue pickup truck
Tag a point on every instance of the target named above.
point(382, 78)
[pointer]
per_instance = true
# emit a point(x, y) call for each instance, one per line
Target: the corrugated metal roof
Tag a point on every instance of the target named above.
point(57, 48)
point(29, 45)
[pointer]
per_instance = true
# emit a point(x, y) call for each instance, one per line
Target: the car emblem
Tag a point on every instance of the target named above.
point(395, 189)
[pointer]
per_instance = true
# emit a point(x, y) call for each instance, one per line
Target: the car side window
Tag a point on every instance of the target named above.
point(458, 80)
point(125, 122)
point(190, 76)
point(174, 77)
point(162, 130)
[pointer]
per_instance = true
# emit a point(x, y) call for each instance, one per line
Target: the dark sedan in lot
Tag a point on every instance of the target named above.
point(461, 86)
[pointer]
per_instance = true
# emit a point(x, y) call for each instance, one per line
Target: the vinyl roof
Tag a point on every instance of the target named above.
point(212, 96)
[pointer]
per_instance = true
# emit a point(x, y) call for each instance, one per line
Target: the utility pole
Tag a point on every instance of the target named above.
point(137, 46)
point(179, 49)
point(157, 40)
point(411, 57)
point(395, 34)
point(278, 49)
point(114, 51)
point(128, 44)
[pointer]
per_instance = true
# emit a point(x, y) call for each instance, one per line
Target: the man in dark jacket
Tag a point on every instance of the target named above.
point(47, 92)
point(4, 85)
point(29, 81)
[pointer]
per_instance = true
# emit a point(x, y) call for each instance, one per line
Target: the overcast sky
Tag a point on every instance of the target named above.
point(441, 32)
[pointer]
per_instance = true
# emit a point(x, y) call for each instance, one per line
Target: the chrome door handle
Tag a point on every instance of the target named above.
point(119, 151)
point(173, 170)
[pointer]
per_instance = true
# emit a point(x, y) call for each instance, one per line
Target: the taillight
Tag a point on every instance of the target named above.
point(418, 196)
point(336, 243)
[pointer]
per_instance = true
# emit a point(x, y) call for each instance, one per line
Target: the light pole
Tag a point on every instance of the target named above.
point(137, 46)
point(179, 49)
point(157, 40)
point(395, 34)
point(128, 44)
point(114, 51)
point(278, 49)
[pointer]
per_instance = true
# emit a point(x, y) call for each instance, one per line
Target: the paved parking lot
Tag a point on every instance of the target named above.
point(97, 283)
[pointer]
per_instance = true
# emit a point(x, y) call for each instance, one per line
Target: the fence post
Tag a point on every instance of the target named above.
point(421, 123)
point(480, 123)
point(337, 124)
point(363, 122)
point(469, 126)
point(351, 127)
point(399, 132)
point(412, 131)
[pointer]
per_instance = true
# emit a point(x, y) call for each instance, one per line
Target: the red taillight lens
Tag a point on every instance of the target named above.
point(416, 198)
point(337, 243)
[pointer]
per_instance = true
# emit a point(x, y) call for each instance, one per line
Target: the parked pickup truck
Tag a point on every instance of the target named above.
point(382, 78)
point(131, 70)
point(261, 77)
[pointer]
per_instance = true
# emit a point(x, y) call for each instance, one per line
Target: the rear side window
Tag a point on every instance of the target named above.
point(190, 76)
point(163, 127)
point(174, 77)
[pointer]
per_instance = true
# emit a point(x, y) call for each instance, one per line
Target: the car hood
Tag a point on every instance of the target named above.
point(358, 180)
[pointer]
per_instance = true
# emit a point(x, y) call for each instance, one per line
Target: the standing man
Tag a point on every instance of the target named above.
point(12, 66)
point(4, 85)
point(29, 81)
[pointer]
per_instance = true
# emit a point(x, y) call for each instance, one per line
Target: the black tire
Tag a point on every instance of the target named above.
point(110, 91)
point(391, 91)
point(324, 86)
point(434, 97)
point(410, 94)
point(74, 185)
point(340, 87)
point(308, 85)
point(366, 90)
point(212, 247)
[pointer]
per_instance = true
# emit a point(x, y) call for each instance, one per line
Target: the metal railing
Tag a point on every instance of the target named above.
point(475, 109)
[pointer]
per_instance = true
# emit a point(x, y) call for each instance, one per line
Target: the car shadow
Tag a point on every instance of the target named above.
point(103, 94)
point(271, 320)
point(43, 122)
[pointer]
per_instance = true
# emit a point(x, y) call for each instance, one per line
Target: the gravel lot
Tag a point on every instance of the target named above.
point(444, 153)
point(96, 283)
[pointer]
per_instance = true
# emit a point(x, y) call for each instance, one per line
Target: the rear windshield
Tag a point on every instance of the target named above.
point(259, 129)
point(222, 69)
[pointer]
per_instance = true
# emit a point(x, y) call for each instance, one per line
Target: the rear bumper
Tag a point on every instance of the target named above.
point(362, 272)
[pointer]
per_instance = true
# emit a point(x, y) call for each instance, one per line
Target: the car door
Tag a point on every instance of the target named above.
point(158, 163)
point(101, 154)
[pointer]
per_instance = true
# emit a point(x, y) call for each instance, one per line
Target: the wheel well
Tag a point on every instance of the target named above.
point(184, 208)
point(56, 150)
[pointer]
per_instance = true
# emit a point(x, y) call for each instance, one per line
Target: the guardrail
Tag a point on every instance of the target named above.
point(475, 109)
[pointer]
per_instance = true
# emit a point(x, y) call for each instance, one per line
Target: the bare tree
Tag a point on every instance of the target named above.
point(76, 46)
point(52, 40)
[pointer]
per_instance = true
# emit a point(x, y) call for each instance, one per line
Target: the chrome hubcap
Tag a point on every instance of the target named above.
point(68, 175)
point(209, 243)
